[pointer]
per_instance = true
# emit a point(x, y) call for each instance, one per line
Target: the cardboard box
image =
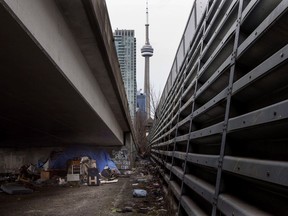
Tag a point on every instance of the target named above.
point(45, 175)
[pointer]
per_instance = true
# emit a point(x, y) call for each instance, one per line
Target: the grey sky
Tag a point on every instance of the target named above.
point(167, 19)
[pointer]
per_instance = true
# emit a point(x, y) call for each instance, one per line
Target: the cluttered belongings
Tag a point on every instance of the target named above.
point(73, 166)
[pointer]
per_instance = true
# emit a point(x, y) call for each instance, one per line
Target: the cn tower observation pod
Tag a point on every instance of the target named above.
point(147, 50)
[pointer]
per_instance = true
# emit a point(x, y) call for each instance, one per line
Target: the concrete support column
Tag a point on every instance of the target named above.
point(130, 144)
point(125, 157)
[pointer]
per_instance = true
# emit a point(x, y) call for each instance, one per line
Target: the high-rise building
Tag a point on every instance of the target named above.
point(147, 52)
point(141, 102)
point(125, 43)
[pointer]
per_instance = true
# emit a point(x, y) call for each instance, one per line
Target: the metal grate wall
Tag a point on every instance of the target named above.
point(220, 134)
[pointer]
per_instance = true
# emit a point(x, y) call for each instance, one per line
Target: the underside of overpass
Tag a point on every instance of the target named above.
point(60, 82)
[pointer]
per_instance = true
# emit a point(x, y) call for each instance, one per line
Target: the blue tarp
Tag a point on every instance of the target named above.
point(101, 156)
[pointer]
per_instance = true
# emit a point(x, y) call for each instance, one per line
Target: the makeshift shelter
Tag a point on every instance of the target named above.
point(101, 156)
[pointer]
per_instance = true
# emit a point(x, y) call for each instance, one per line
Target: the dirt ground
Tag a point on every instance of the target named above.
point(104, 200)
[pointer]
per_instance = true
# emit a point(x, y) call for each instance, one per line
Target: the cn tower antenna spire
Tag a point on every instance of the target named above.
point(147, 52)
point(147, 24)
point(147, 13)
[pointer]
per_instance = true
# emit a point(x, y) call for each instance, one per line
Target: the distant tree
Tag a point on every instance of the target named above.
point(154, 101)
point(142, 124)
point(140, 129)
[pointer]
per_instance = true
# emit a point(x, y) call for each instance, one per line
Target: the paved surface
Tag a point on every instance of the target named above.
point(64, 201)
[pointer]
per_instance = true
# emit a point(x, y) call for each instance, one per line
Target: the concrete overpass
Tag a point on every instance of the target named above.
point(60, 78)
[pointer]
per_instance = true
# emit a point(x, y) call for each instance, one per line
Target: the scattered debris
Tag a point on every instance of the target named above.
point(147, 183)
point(108, 173)
point(128, 209)
point(128, 172)
point(139, 193)
point(159, 199)
point(162, 210)
point(61, 181)
point(114, 210)
point(8, 177)
point(142, 180)
point(15, 188)
point(143, 210)
point(156, 184)
point(123, 210)
point(108, 181)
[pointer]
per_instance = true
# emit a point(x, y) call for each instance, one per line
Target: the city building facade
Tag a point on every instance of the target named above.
point(125, 43)
point(141, 102)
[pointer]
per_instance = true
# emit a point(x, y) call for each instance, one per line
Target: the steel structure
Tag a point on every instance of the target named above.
point(220, 135)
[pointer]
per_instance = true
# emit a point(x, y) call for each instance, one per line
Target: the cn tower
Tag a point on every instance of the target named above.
point(147, 52)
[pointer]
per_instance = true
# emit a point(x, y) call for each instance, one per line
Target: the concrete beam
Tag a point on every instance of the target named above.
point(58, 86)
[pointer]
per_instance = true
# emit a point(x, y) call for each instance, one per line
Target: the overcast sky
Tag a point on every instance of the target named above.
point(167, 19)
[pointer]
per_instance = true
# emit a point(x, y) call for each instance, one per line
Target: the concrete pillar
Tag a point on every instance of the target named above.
point(125, 157)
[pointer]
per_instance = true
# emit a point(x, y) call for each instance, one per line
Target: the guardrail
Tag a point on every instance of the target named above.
point(220, 137)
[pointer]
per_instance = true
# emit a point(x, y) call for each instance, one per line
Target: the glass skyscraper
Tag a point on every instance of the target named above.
point(141, 102)
point(125, 43)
